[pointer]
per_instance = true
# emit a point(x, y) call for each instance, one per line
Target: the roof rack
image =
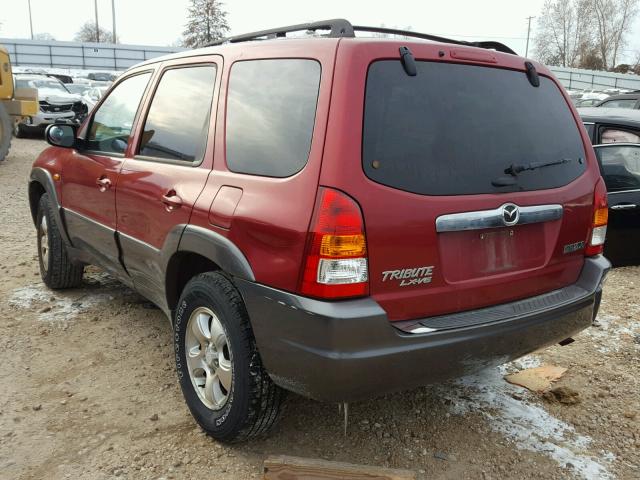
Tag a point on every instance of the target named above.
point(340, 28)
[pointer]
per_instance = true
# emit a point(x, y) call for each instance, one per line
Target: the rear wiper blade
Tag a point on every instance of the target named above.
point(515, 169)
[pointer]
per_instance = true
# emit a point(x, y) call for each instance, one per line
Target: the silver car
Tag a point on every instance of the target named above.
point(57, 104)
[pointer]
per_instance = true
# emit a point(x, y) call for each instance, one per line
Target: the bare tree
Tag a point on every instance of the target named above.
point(564, 29)
point(207, 22)
point(636, 63)
point(613, 19)
point(88, 33)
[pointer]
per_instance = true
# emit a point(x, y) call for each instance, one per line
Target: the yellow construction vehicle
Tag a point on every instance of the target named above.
point(15, 104)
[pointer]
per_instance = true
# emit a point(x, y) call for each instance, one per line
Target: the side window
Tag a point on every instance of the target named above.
point(112, 123)
point(620, 166)
point(614, 135)
point(178, 121)
point(271, 112)
point(620, 103)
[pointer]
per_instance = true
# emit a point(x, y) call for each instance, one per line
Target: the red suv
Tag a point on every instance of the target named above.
point(332, 215)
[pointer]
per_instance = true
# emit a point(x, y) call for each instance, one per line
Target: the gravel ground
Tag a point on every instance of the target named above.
point(88, 390)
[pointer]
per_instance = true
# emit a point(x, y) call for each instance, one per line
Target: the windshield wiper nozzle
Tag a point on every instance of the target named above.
point(515, 169)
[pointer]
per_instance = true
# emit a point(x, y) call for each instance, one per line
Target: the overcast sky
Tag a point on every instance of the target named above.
point(160, 22)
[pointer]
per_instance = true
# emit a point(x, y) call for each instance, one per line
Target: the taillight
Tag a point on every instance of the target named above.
point(335, 265)
point(598, 234)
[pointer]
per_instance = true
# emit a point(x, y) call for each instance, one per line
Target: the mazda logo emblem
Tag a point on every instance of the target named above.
point(510, 214)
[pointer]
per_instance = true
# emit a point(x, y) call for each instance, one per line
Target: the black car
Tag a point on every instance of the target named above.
point(615, 134)
point(626, 100)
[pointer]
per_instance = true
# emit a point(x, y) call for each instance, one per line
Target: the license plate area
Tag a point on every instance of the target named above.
point(472, 254)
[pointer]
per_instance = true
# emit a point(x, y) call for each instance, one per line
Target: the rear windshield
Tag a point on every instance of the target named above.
point(454, 129)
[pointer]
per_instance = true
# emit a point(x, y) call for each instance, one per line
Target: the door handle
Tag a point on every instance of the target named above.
point(103, 183)
point(624, 206)
point(171, 201)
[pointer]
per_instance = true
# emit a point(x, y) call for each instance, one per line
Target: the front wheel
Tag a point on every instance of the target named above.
point(221, 375)
point(56, 269)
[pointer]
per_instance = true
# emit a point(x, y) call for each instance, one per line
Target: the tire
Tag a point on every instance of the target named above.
point(19, 130)
point(56, 270)
point(253, 403)
point(5, 132)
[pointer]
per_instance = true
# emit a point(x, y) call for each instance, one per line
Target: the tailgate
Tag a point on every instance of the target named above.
point(477, 193)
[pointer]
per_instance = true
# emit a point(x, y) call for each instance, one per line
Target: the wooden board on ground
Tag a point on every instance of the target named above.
point(283, 467)
point(536, 379)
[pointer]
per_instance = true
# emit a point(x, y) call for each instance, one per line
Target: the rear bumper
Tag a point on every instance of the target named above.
point(348, 350)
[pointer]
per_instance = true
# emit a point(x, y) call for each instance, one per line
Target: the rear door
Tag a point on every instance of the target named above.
point(620, 165)
point(173, 157)
point(477, 185)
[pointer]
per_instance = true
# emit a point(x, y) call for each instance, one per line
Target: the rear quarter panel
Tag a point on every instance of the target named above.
point(270, 221)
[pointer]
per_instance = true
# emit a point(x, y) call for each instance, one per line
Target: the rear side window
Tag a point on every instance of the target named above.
point(454, 129)
point(178, 121)
point(271, 111)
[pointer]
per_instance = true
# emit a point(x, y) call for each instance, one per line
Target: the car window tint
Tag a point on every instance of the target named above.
point(270, 115)
point(620, 167)
point(178, 121)
point(456, 129)
point(614, 135)
point(620, 103)
point(112, 123)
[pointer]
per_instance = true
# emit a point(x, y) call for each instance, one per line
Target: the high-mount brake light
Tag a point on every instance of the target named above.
point(598, 233)
point(336, 257)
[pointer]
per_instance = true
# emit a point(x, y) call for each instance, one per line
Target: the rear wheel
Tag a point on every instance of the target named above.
point(56, 270)
point(223, 381)
point(5, 132)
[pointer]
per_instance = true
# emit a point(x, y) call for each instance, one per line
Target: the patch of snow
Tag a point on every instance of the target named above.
point(608, 335)
point(55, 306)
point(529, 425)
point(528, 361)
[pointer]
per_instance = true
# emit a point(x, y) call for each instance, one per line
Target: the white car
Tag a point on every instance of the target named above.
point(77, 88)
point(56, 103)
point(594, 94)
point(93, 96)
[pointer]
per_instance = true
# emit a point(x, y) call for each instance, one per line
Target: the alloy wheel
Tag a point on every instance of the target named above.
point(209, 358)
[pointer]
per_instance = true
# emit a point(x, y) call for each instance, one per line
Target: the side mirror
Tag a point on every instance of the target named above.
point(60, 135)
